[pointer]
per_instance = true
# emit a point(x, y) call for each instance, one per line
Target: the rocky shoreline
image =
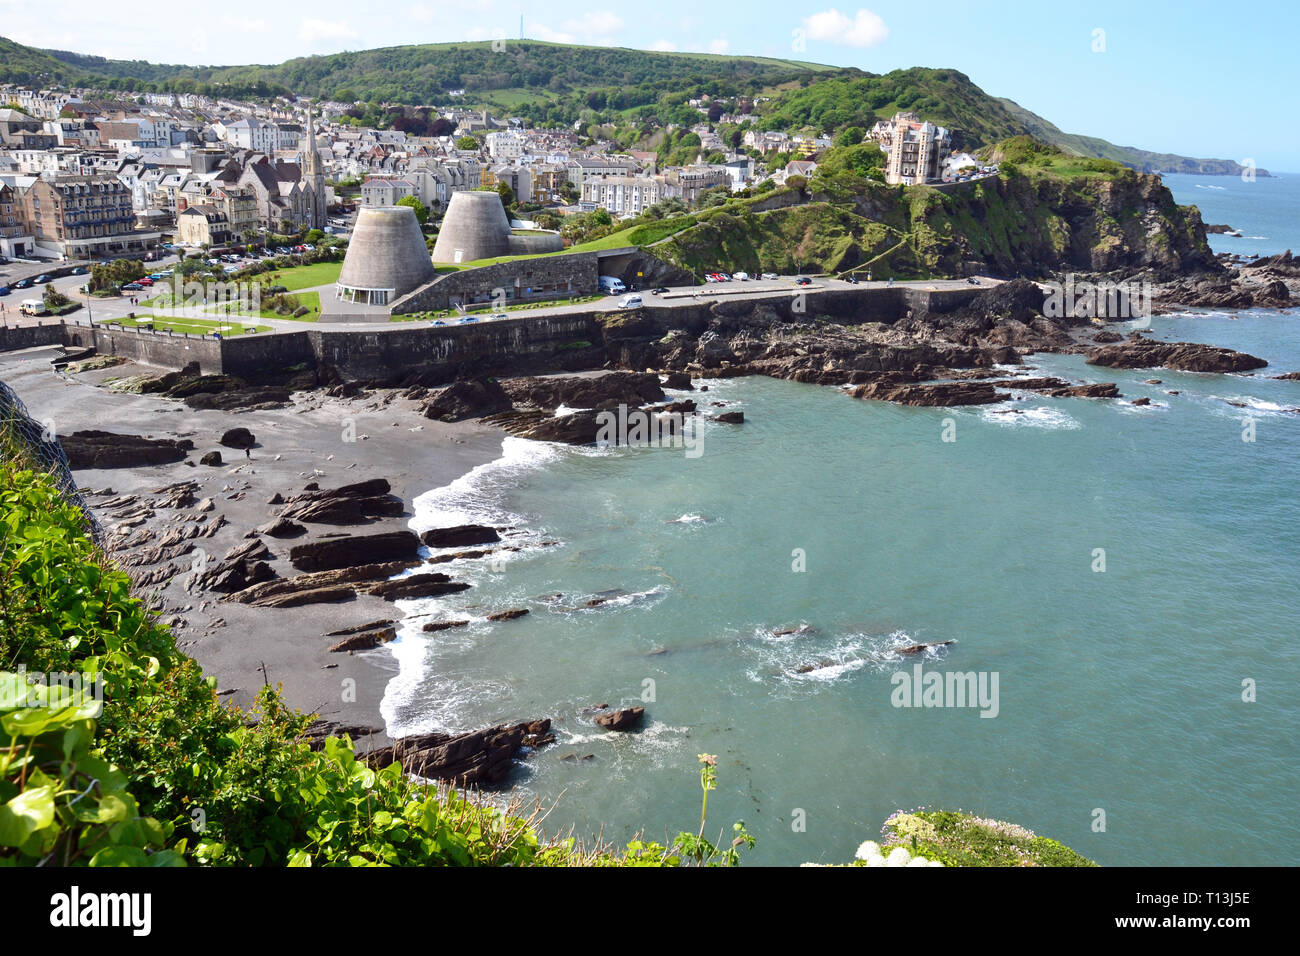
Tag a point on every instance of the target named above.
point(271, 522)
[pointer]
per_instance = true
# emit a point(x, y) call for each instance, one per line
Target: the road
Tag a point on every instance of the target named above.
point(333, 316)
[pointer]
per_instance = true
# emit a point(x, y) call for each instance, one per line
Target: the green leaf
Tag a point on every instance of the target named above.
point(26, 813)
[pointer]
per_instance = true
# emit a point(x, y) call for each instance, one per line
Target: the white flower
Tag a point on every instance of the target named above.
point(868, 849)
point(898, 857)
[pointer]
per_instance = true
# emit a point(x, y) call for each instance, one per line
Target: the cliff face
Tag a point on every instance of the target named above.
point(1019, 224)
point(1033, 224)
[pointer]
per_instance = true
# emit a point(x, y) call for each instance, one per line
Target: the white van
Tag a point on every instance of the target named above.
point(33, 307)
point(612, 285)
point(632, 301)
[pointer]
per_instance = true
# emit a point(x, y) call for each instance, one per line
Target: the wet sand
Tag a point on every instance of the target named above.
point(308, 441)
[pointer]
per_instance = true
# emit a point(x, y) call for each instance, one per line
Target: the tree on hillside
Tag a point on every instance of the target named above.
point(421, 214)
point(507, 194)
point(467, 142)
point(850, 136)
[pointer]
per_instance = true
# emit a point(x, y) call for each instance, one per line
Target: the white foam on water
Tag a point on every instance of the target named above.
point(475, 498)
point(1044, 416)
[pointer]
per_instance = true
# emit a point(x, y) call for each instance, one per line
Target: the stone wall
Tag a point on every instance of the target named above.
point(152, 348)
point(547, 277)
point(30, 336)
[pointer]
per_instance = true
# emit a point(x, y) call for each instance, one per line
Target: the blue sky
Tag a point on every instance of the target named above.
point(1198, 78)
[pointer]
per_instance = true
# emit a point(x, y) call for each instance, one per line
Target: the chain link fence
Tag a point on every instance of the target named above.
point(22, 432)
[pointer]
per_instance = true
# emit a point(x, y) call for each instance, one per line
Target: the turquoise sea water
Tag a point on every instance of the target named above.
point(1118, 690)
point(1267, 211)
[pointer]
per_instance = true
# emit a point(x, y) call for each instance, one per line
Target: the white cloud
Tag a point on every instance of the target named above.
point(314, 32)
point(864, 29)
point(719, 45)
point(663, 46)
point(597, 28)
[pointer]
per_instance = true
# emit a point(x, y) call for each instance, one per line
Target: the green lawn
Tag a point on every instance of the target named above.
point(304, 277)
point(191, 326)
point(309, 299)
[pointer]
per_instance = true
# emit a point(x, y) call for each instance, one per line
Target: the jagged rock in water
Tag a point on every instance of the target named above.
point(1183, 356)
point(476, 759)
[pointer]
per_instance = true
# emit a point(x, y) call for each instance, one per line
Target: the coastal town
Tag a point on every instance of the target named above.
point(86, 178)
point(595, 451)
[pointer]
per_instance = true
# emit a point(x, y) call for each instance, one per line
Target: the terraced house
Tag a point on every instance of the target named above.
point(84, 217)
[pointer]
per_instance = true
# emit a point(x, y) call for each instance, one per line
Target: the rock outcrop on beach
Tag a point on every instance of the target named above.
point(624, 718)
point(459, 536)
point(480, 758)
point(349, 504)
point(101, 449)
point(1183, 356)
point(468, 398)
point(333, 553)
point(596, 391)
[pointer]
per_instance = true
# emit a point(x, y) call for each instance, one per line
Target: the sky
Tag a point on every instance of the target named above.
point(1205, 79)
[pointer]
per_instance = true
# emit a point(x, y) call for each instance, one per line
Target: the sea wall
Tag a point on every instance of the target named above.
point(522, 280)
point(30, 336)
point(526, 344)
point(162, 349)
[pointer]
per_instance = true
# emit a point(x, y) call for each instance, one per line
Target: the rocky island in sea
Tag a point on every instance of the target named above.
point(406, 523)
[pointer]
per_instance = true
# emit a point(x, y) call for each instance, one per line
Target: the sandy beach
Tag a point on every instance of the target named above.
point(330, 441)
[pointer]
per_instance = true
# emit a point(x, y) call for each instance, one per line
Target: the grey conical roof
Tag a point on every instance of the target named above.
point(386, 251)
point(475, 225)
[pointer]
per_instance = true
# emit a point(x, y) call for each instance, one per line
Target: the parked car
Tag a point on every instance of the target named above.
point(803, 280)
point(972, 280)
point(741, 277)
point(80, 271)
point(632, 301)
point(469, 318)
point(770, 275)
point(851, 279)
point(33, 307)
point(498, 315)
point(723, 277)
point(23, 284)
point(660, 290)
point(43, 278)
point(439, 322)
point(5, 290)
point(146, 281)
point(133, 287)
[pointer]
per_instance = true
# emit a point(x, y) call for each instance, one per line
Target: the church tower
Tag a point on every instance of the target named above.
point(313, 176)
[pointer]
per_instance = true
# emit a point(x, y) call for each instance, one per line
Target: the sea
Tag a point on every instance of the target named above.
point(1120, 583)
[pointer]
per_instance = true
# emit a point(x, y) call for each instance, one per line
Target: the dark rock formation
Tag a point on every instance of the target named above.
point(212, 459)
point(365, 640)
point(940, 394)
point(623, 719)
point(340, 584)
point(1183, 356)
point(508, 615)
point(730, 418)
point(434, 626)
point(459, 536)
point(597, 391)
point(429, 584)
point(334, 553)
point(476, 759)
point(349, 504)
point(281, 528)
point(99, 449)
point(240, 438)
point(469, 398)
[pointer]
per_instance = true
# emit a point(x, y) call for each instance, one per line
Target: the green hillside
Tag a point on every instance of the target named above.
point(1140, 159)
point(553, 83)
